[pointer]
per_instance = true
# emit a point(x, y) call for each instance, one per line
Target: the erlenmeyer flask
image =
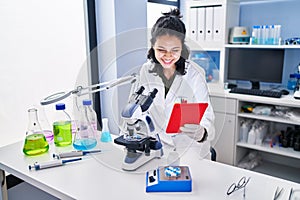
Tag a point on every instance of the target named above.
point(35, 141)
point(45, 125)
point(85, 137)
point(105, 134)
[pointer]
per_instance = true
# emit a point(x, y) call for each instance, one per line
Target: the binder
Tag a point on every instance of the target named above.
point(217, 23)
point(209, 23)
point(201, 23)
point(193, 24)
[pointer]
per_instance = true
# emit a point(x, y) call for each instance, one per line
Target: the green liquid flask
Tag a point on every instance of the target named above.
point(35, 141)
point(62, 127)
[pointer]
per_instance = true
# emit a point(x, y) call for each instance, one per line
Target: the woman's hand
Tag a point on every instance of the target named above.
point(194, 131)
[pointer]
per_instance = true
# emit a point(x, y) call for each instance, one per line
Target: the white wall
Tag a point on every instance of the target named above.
point(105, 15)
point(42, 50)
point(117, 21)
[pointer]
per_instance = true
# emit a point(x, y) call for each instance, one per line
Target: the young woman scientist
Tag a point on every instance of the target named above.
point(176, 79)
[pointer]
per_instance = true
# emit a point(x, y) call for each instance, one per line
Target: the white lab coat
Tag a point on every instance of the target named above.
point(192, 87)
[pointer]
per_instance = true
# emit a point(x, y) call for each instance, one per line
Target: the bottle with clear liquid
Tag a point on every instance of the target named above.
point(35, 141)
point(85, 137)
point(105, 133)
point(62, 126)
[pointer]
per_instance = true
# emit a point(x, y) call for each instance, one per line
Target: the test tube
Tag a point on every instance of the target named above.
point(265, 34)
point(277, 34)
point(259, 35)
point(254, 35)
point(272, 34)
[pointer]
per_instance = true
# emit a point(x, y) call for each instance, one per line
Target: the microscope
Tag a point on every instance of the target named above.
point(141, 147)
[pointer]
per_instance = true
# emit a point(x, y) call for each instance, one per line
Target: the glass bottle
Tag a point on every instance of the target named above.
point(62, 127)
point(292, 82)
point(85, 137)
point(91, 113)
point(35, 141)
point(105, 134)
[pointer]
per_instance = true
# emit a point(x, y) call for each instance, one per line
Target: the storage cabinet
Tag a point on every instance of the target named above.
point(283, 162)
point(225, 118)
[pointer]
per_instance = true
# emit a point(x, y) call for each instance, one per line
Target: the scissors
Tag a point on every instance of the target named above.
point(277, 193)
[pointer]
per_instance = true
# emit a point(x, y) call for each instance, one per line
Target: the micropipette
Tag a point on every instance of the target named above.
point(53, 163)
point(74, 154)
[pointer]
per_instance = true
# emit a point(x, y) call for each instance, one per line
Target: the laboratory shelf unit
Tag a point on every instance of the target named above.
point(265, 147)
point(268, 118)
point(276, 160)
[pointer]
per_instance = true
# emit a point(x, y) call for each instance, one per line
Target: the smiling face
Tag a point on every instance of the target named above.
point(167, 50)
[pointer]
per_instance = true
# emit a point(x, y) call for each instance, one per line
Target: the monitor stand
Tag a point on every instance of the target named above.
point(255, 85)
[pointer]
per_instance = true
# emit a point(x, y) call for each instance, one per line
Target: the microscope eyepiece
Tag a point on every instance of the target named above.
point(153, 93)
point(141, 90)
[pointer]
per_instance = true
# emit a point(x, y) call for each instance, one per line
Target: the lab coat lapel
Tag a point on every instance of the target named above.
point(172, 94)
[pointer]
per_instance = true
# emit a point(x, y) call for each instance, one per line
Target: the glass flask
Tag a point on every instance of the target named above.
point(292, 82)
point(46, 127)
point(91, 113)
point(105, 134)
point(62, 126)
point(85, 137)
point(35, 141)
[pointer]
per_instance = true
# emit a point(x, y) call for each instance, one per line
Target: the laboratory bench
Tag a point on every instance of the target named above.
point(100, 176)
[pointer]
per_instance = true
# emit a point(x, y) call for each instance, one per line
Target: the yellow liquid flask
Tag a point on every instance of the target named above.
point(62, 126)
point(35, 141)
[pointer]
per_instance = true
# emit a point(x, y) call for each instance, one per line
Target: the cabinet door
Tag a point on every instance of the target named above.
point(224, 138)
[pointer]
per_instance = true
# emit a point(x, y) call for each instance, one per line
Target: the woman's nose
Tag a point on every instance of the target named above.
point(168, 54)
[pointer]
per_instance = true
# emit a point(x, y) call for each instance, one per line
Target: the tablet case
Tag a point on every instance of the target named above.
point(185, 113)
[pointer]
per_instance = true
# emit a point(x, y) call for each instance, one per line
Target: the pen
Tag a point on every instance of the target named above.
point(53, 163)
point(74, 153)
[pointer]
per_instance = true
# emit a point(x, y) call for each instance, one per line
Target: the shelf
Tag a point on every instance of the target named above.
point(280, 171)
point(268, 118)
point(262, 46)
point(288, 152)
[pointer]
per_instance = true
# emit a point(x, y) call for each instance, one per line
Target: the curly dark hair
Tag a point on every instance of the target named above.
point(170, 24)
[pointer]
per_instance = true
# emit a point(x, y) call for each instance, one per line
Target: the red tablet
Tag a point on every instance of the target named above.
point(185, 113)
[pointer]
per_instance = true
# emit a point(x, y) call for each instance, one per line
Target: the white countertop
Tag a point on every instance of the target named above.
point(217, 89)
point(100, 176)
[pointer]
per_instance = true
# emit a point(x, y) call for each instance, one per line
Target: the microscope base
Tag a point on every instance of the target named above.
point(140, 160)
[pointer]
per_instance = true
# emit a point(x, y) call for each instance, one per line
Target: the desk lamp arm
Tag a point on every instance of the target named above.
point(79, 91)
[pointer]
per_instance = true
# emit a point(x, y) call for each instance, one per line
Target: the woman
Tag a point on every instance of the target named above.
point(176, 79)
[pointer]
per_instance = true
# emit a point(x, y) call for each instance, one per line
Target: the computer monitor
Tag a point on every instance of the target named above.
point(255, 65)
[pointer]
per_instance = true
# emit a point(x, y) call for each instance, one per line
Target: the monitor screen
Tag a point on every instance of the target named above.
point(255, 65)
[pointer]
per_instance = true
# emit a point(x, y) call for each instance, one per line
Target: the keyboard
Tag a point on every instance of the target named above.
point(257, 92)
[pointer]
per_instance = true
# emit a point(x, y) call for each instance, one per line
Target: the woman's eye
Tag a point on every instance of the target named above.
point(162, 50)
point(175, 51)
